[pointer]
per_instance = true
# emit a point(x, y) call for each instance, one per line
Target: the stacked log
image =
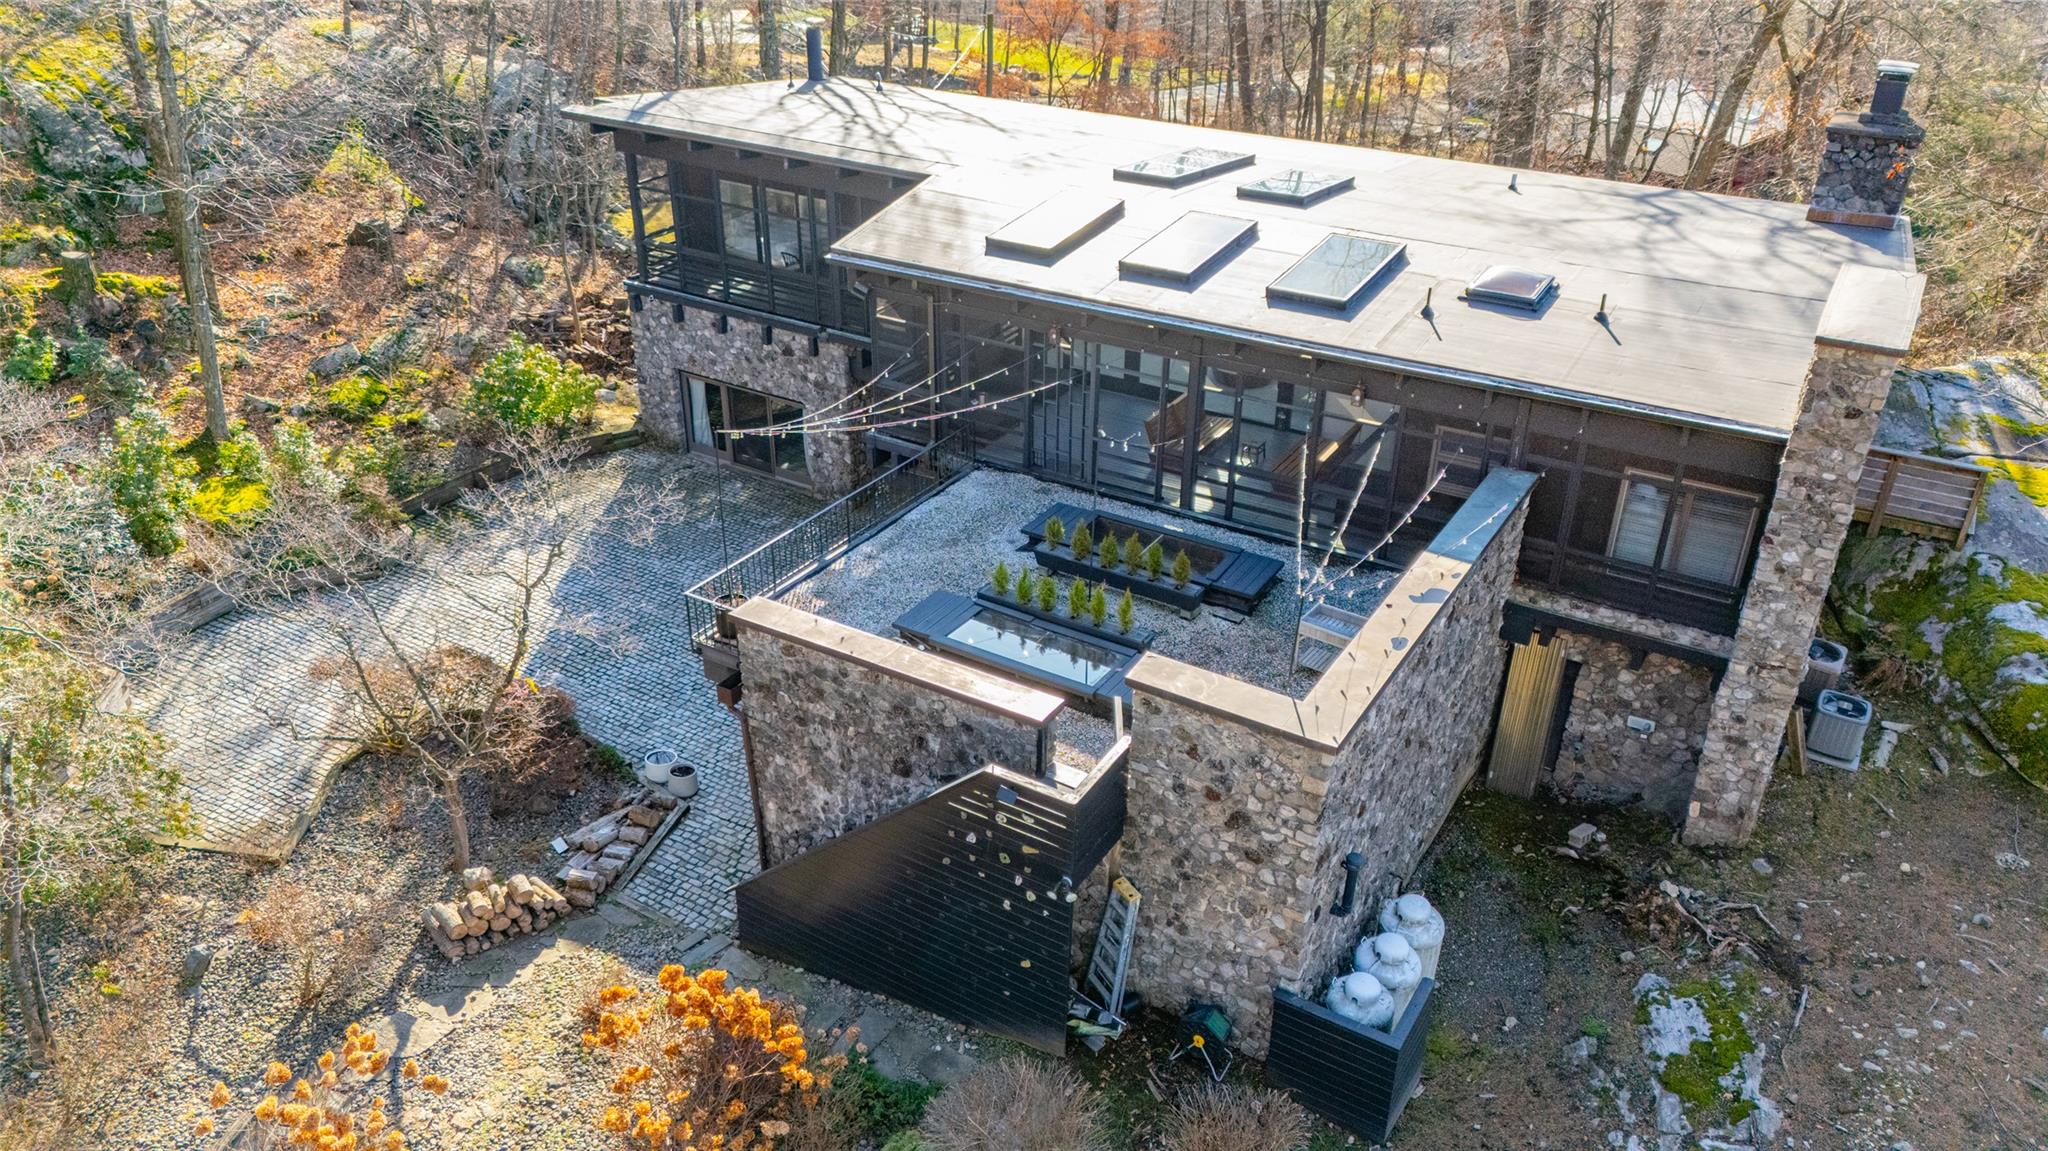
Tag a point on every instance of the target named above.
point(489, 913)
point(603, 849)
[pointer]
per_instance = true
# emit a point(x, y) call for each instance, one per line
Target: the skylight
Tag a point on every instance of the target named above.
point(1334, 272)
point(1056, 225)
point(1187, 248)
point(1294, 186)
point(1184, 167)
point(1511, 286)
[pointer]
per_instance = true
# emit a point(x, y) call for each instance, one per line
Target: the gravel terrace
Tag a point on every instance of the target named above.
point(953, 541)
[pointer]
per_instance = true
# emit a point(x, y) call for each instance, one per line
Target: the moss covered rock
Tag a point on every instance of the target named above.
point(1975, 623)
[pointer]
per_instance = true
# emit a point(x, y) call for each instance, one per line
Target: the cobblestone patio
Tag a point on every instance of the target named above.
point(611, 635)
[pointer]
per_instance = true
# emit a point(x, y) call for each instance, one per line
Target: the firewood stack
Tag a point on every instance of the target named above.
point(489, 913)
point(601, 850)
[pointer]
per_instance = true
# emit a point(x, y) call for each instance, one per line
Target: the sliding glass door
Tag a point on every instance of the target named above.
point(718, 410)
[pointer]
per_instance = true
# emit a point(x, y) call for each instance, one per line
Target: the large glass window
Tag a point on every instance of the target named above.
point(1706, 536)
point(718, 409)
point(740, 226)
point(1141, 413)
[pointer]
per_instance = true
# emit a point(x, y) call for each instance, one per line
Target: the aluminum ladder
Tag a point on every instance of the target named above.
point(1103, 988)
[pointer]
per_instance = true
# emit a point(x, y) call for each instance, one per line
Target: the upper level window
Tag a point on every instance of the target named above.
point(740, 226)
point(796, 226)
point(1709, 532)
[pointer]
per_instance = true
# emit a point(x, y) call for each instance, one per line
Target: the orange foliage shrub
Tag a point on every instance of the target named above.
point(309, 1113)
point(703, 1066)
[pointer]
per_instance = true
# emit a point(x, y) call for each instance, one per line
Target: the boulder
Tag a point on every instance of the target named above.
point(330, 364)
point(397, 346)
point(372, 234)
point(525, 271)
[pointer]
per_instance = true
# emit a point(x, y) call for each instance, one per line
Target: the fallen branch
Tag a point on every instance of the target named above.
point(1801, 1012)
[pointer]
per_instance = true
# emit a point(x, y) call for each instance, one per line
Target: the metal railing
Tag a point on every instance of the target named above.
point(822, 537)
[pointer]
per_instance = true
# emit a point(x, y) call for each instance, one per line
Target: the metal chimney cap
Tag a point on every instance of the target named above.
point(1897, 69)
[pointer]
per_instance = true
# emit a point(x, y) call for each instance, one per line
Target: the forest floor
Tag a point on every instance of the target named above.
point(1898, 903)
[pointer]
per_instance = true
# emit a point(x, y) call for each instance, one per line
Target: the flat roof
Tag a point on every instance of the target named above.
point(1712, 302)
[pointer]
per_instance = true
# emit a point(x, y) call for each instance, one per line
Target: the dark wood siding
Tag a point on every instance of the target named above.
point(1356, 1077)
point(960, 903)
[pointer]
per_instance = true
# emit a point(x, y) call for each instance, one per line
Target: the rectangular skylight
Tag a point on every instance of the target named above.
point(1056, 225)
point(1335, 271)
point(1187, 248)
point(1511, 286)
point(1294, 186)
point(1184, 167)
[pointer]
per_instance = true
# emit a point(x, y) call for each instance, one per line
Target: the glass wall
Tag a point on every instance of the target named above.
point(735, 237)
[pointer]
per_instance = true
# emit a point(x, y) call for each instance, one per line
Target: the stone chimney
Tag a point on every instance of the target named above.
point(1869, 157)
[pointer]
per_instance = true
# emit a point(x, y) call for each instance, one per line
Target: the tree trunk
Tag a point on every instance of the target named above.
point(22, 975)
point(767, 35)
point(175, 176)
point(837, 40)
point(697, 21)
point(77, 283)
point(1239, 22)
point(458, 819)
point(1526, 35)
point(1728, 102)
point(348, 26)
point(1649, 37)
point(675, 43)
point(483, 101)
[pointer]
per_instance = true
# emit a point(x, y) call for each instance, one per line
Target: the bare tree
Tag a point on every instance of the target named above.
point(163, 119)
point(1649, 35)
point(1729, 99)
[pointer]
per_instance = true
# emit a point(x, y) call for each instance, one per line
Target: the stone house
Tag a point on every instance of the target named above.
point(1617, 431)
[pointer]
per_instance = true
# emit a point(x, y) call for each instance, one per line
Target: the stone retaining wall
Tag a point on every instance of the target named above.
point(1244, 802)
point(846, 727)
point(784, 367)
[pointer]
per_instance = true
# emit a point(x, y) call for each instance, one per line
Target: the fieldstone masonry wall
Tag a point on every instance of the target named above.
point(784, 367)
point(1865, 168)
point(1810, 515)
point(1243, 802)
point(1418, 744)
point(847, 727)
point(1602, 759)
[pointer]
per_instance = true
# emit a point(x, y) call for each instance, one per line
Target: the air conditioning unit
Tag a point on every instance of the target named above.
point(1836, 734)
point(1825, 662)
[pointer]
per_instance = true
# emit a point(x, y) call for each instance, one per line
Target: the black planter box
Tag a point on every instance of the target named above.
point(1225, 576)
point(1138, 637)
point(1355, 1076)
point(1181, 599)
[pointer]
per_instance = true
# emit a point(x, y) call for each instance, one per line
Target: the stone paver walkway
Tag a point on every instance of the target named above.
point(238, 704)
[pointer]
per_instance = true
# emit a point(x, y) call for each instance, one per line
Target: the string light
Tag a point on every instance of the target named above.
point(847, 421)
point(803, 422)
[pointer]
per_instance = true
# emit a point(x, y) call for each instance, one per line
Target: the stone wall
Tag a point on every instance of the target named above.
point(784, 367)
point(845, 726)
point(1601, 759)
point(1864, 329)
point(1243, 801)
point(1419, 742)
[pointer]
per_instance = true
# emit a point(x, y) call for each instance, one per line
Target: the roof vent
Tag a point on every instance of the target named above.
point(1174, 169)
point(1512, 287)
point(1056, 225)
point(1294, 186)
point(1335, 271)
point(1188, 248)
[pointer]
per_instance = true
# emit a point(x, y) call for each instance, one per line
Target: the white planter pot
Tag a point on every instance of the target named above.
point(682, 781)
point(657, 766)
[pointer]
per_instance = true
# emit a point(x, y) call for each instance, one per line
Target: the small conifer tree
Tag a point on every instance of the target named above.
point(1106, 554)
point(1155, 560)
point(1055, 531)
point(1026, 585)
point(1124, 610)
point(1077, 599)
point(1183, 568)
point(1002, 578)
point(1046, 593)
point(1098, 605)
point(1084, 541)
point(1134, 552)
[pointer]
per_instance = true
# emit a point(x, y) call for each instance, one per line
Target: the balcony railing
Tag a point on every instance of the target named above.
point(776, 566)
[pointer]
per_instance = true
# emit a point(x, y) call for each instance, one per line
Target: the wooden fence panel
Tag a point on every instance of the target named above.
point(1926, 495)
